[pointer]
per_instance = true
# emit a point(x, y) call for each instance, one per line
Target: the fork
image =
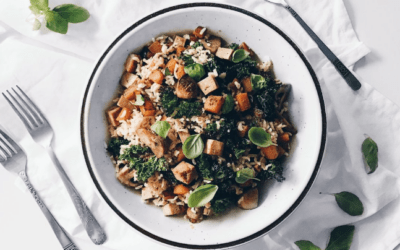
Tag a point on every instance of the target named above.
point(42, 134)
point(340, 67)
point(14, 159)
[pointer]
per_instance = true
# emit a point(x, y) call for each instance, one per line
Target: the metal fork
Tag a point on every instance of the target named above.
point(340, 67)
point(14, 159)
point(42, 134)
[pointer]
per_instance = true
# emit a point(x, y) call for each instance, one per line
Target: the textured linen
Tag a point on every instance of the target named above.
point(54, 69)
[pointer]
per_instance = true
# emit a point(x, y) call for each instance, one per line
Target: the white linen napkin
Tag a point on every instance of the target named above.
point(53, 69)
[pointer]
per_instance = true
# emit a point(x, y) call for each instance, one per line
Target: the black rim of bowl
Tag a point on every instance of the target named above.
point(299, 199)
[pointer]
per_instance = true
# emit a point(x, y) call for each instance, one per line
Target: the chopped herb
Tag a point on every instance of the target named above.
point(167, 73)
point(239, 152)
point(196, 44)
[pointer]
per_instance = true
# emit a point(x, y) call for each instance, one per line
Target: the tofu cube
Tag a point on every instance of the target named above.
point(124, 115)
point(208, 85)
point(155, 47)
point(147, 193)
point(125, 103)
point(173, 209)
point(131, 63)
point(246, 82)
point(185, 172)
point(128, 79)
point(214, 104)
point(224, 53)
point(214, 147)
point(183, 135)
point(179, 41)
point(112, 115)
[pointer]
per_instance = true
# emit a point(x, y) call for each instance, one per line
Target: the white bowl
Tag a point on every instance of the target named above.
point(277, 200)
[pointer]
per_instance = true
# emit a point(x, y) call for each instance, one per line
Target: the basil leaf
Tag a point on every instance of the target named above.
point(193, 146)
point(258, 82)
point(260, 137)
point(55, 22)
point(161, 128)
point(195, 71)
point(72, 13)
point(341, 238)
point(306, 245)
point(40, 4)
point(167, 73)
point(139, 100)
point(349, 203)
point(202, 195)
point(244, 175)
point(36, 24)
point(239, 55)
point(370, 154)
point(35, 10)
point(229, 104)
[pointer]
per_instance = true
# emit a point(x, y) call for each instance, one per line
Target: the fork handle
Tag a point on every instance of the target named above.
point(89, 222)
point(62, 237)
point(340, 67)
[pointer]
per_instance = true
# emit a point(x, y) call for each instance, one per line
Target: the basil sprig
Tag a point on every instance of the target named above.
point(260, 137)
point(341, 238)
point(161, 128)
point(370, 154)
point(57, 19)
point(193, 146)
point(229, 104)
point(244, 175)
point(202, 195)
point(239, 55)
point(349, 203)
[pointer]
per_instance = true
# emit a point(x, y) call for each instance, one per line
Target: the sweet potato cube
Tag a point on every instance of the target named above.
point(185, 172)
point(281, 151)
point(179, 50)
point(208, 85)
point(193, 38)
point(270, 152)
point(125, 114)
point(199, 32)
point(224, 53)
point(131, 62)
point(243, 101)
point(180, 156)
point(156, 76)
point(285, 137)
point(131, 92)
point(181, 189)
point(155, 47)
point(125, 103)
point(245, 47)
point(214, 104)
point(128, 79)
point(171, 65)
point(243, 133)
point(179, 41)
point(180, 71)
point(168, 194)
point(147, 109)
point(112, 115)
point(246, 82)
point(214, 147)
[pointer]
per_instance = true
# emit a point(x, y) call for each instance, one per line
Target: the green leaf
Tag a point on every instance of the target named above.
point(161, 128)
point(349, 203)
point(244, 175)
point(239, 152)
point(195, 71)
point(229, 104)
point(35, 10)
point(193, 146)
point(167, 73)
point(40, 4)
point(139, 100)
point(55, 22)
point(341, 238)
point(306, 245)
point(370, 154)
point(72, 13)
point(260, 137)
point(258, 82)
point(202, 195)
point(36, 24)
point(239, 55)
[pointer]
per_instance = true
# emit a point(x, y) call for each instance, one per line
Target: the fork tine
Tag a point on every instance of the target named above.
point(28, 124)
point(3, 155)
point(11, 142)
point(5, 148)
point(24, 110)
point(33, 105)
point(31, 111)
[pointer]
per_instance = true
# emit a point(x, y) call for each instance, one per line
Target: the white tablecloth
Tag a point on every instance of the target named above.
point(54, 69)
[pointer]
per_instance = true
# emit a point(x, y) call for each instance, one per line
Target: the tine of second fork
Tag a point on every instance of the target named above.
point(14, 145)
point(28, 122)
point(33, 105)
point(29, 107)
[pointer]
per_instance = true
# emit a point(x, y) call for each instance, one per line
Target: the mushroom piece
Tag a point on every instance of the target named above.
point(212, 43)
point(186, 88)
point(195, 214)
point(153, 141)
point(125, 175)
point(249, 200)
point(282, 94)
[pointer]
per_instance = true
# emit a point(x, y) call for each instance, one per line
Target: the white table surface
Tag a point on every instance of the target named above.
point(22, 225)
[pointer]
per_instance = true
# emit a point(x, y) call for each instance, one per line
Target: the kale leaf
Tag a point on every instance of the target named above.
point(169, 101)
point(241, 70)
point(114, 146)
point(273, 172)
point(197, 44)
point(170, 177)
point(266, 102)
point(187, 109)
point(237, 145)
point(187, 59)
point(213, 171)
point(204, 166)
point(233, 46)
point(226, 127)
point(133, 151)
point(220, 205)
point(216, 63)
